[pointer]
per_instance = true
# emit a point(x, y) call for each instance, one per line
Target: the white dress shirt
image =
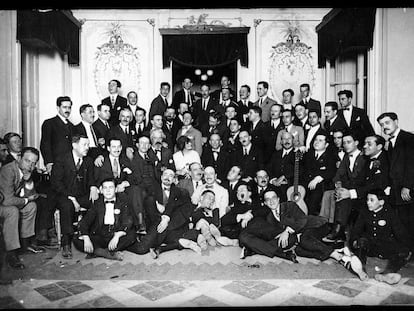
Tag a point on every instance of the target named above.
point(348, 114)
point(89, 134)
point(311, 133)
point(221, 194)
point(109, 218)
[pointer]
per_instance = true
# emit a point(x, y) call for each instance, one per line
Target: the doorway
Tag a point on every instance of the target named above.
point(200, 75)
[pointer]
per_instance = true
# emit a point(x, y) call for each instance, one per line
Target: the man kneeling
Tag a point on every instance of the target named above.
point(106, 229)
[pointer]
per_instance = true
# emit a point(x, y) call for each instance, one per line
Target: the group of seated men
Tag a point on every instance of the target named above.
point(274, 181)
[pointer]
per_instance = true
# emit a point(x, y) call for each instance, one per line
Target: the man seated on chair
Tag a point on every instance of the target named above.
point(378, 232)
point(73, 182)
point(169, 217)
point(18, 208)
point(106, 229)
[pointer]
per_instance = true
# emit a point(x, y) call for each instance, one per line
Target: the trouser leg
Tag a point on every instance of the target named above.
point(10, 215)
point(27, 220)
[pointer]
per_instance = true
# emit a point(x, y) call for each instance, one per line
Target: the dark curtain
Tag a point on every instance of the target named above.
point(205, 50)
point(52, 30)
point(345, 30)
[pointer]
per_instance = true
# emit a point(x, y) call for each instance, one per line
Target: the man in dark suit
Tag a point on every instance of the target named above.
point(249, 157)
point(203, 106)
point(319, 168)
point(233, 141)
point(184, 95)
point(73, 183)
point(132, 98)
point(225, 84)
point(273, 126)
point(123, 131)
point(355, 118)
point(264, 102)
point(244, 103)
point(310, 103)
point(214, 155)
point(169, 218)
point(115, 101)
point(57, 133)
point(257, 129)
point(231, 113)
point(85, 128)
point(313, 129)
point(351, 174)
point(160, 103)
point(301, 116)
point(18, 207)
point(260, 184)
point(106, 229)
point(14, 147)
point(245, 208)
point(172, 124)
point(101, 125)
point(196, 178)
point(231, 182)
point(333, 121)
point(286, 231)
point(157, 122)
point(400, 151)
point(140, 127)
point(160, 155)
point(297, 132)
point(281, 166)
point(226, 101)
point(214, 126)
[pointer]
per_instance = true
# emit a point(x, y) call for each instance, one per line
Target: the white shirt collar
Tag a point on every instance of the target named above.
point(289, 127)
point(275, 122)
point(255, 123)
point(286, 151)
point(248, 148)
point(377, 155)
point(355, 153)
point(76, 158)
point(333, 119)
point(63, 118)
point(263, 98)
point(397, 131)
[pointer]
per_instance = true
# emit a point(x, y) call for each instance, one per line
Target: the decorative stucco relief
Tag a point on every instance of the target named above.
point(116, 59)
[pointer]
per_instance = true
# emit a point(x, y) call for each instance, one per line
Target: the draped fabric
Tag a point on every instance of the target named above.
point(345, 30)
point(54, 29)
point(205, 50)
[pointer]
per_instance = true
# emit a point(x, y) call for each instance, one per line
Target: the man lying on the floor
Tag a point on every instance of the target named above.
point(286, 231)
point(106, 229)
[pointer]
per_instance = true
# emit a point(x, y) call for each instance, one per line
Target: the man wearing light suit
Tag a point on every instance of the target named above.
point(18, 208)
point(295, 130)
point(264, 101)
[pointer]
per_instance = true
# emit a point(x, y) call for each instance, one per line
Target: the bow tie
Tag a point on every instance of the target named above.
point(166, 189)
point(209, 186)
point(113, 201)
point(347, 109)
point(216, 150)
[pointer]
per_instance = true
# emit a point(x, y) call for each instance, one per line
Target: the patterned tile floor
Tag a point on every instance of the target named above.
point(218, 293)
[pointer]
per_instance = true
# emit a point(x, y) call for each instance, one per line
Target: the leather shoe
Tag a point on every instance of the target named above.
point(336, 235)
point(49, 243)
point(67, 252)
point(290, 255)
point(35, 249)
point(14, 261)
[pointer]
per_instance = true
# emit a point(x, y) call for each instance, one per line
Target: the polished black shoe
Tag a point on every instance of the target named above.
point(67, 252)
point(336, 235)
point(291, 255)
point(14, 261)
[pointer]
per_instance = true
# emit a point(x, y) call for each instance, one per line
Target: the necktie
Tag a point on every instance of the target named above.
point(94, 136)
point(166, 102)
point(107, 124)
point(78, 164)
point(112, 99)
point(261, 190)
point(197, 183)
point(390, 146)
point(204, 104)
point(146, 157)
point(126, 130)
point(261, 102)
point(245, 151)
point(316, 156)
point(115, 168)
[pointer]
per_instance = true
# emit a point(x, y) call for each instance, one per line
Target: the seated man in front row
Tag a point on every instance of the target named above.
point(286, 229)
point(169, 217)
point(378, 232)
point(106, 229)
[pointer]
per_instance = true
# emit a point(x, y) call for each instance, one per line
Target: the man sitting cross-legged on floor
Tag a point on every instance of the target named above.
point(287, 229)
point(106, 229)
point(169, 218)
point(206, 219)
point(378, 232)
point(245, 208)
